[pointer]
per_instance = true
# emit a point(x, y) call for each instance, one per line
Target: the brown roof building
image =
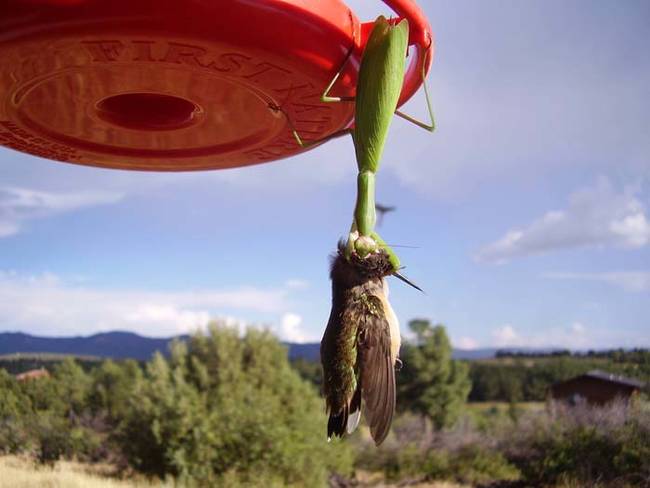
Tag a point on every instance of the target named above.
point(33, 374)
point(595, 388)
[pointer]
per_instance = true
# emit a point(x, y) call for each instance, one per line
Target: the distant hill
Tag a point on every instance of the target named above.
point(122, 345)
point(308, 350)
point(473, 354)
point(118, 345)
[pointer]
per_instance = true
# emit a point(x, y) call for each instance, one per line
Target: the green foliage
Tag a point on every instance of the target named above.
point(309, 370)
point(220, 410)
point(223, 410)
point(587, 454)
point(587, 446)
point(53, 440)
point(50, 416)
point(20, 362)
point(225, 407)
point(13, 403)
point(431, 383)
point(14, 409)
point(113, 385)
point(523, 378)
point(72, 385)
point(469, 464)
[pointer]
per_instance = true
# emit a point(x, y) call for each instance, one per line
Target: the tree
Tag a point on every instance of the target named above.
point(112, 386)
point(226, 407)
point(431, 383)
point(73, 385)
point(14, 409)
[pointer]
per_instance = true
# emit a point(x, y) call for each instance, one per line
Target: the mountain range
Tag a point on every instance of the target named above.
point(122, 345)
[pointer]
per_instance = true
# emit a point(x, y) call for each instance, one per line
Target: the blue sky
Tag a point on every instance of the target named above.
point(528, 206)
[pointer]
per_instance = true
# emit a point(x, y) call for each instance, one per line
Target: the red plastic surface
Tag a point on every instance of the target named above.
point(173, 85)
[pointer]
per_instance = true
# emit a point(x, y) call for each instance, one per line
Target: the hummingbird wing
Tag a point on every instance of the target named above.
point(376, 371)
point(338, 358)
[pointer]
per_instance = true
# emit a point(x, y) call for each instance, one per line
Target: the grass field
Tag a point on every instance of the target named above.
point(18, 472)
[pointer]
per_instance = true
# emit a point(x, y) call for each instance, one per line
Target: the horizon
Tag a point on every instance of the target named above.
point(508, 349)
point(527, 207)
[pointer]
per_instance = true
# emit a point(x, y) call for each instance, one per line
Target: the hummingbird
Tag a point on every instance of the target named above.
point(382, 210)
point(360, 346)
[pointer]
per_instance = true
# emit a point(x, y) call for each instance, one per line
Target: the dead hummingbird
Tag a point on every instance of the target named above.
point(360, 345)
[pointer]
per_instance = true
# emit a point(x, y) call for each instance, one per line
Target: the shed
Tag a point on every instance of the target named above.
point(33, 374)
point(595, 388)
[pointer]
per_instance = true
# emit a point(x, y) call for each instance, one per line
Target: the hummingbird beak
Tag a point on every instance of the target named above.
point(405, 280)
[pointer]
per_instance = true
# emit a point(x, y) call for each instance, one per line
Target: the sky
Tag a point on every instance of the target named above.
point(526, 213)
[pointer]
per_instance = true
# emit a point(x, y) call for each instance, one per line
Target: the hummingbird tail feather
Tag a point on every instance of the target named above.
point(354, 411)
point(337, 423)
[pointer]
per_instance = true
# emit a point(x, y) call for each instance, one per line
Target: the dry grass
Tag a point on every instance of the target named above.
point(367, 479)
point(484, 406)
point(20, 472)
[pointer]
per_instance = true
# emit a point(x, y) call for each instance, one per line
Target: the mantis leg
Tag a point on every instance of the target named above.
point(392, 257)
point(431, 127)
point(325, 96)
point(333, 135)
point(394, 261)
point(364, 212)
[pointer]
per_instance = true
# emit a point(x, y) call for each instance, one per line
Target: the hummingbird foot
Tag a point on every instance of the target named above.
point(398, 364)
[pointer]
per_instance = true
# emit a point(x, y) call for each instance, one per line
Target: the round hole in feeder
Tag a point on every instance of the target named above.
point(147, 111)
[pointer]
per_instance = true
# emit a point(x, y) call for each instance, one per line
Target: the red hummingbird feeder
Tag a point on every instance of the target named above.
point(172, 85)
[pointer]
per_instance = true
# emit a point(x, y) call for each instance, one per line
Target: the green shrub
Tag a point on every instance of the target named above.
point(571, 450)
point(53, 440)
point(14, 410)
point(467, 464)
point(14, 437)
point(475, 464)
point(224, 410)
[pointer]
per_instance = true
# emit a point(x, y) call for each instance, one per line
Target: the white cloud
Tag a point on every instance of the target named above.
point(506, 336)
point(297, 284)
point(290, 328)
point(466, 343)
point(18, 205)
point(578, 328)
point(634, 281)
point(46, 303)
point(169, 316)
point(595, 216)
point(574, 336)
point(8, 228)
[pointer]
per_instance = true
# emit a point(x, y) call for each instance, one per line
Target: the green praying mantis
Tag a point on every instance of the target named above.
point(380, 79)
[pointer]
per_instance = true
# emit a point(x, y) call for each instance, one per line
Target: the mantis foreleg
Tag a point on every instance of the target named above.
point(325, 97)
point(392, 257)
point(334, 135)
point(364, 212)
point(431, 127)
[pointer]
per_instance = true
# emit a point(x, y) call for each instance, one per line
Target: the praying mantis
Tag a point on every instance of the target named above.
point(360, 346)
point(380, 79)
